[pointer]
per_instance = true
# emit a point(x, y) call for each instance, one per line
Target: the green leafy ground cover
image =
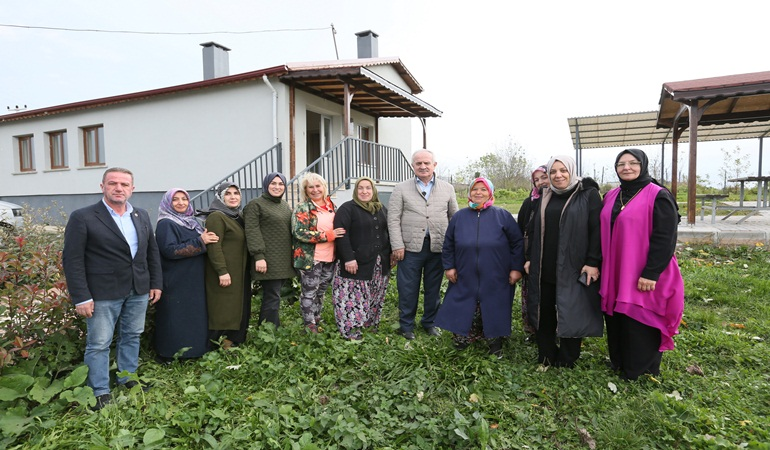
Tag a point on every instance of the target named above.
point(285, 389)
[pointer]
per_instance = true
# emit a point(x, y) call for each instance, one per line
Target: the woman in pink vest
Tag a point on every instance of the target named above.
point(641, 287)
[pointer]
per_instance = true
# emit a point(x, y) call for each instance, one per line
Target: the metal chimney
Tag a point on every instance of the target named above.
point(216, 60)
point(367, 44)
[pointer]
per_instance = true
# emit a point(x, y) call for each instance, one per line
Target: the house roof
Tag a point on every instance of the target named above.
point(374, 95)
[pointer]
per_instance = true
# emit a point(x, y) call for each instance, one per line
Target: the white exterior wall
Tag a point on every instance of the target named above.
point(390, 74)
point(397, 132)
point(189, 139)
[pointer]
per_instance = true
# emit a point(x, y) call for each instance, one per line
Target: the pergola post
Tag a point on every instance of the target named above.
point(692, 177)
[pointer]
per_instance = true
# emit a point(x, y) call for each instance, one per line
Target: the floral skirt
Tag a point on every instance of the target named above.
point(358, 303)
point(476, 332)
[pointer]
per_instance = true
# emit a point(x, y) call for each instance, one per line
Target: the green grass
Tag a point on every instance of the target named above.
point(285, 389)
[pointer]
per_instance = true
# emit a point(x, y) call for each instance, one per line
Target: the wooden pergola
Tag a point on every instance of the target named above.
point(708, 109)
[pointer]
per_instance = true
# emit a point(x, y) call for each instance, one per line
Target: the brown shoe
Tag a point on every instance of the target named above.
point(227, 344)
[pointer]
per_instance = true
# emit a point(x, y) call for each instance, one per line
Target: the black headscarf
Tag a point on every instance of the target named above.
point(266, 182)
point(644, 177)
point(628, 189)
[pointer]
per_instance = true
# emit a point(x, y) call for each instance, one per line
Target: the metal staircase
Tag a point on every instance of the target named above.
point(347, 161)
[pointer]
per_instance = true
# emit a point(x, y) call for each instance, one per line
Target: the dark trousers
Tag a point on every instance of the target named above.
point(271, 301)
point(633, 346)
point(416, 265)
point(549, 353)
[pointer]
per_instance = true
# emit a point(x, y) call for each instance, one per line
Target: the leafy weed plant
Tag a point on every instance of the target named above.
point(287, 389)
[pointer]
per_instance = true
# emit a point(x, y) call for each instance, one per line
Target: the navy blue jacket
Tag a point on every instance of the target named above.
point(484, 247)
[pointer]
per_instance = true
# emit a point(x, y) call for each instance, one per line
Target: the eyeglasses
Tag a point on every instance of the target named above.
point(621, 165)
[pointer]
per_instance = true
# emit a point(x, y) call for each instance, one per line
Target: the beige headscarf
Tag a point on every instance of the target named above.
point(569, 163)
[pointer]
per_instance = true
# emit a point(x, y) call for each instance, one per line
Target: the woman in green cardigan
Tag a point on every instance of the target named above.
point(228, 288)
point(268, 236)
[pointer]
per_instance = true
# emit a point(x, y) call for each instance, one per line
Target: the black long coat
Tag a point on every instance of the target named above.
point(578, 307)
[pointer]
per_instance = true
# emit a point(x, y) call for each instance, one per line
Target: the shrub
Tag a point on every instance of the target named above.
point(34, 304)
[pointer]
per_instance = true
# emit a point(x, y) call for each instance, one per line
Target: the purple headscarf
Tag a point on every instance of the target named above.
point(186, 219)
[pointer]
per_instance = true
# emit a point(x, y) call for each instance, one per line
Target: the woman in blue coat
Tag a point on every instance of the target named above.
point(483, 258)
point(181, 320)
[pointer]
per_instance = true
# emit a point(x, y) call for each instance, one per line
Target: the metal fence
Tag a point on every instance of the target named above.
point(351, 159)
point(248, 177)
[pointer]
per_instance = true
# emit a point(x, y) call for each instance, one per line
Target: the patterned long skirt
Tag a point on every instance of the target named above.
point(476, 332)
point(358, 303)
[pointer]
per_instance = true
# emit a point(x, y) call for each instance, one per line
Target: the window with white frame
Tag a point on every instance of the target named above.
point(57, 149)
point(93, 145)
point(26, 153)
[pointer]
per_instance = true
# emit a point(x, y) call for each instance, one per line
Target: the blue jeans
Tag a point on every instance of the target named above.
point(415, 265)
point(128, 313)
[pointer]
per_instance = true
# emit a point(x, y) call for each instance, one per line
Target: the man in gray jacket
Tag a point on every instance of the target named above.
point(418, 215)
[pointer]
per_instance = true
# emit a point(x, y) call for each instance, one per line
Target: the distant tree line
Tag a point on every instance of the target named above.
point(507, 167)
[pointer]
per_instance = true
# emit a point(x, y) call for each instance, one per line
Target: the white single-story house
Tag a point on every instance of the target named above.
point(352, 115)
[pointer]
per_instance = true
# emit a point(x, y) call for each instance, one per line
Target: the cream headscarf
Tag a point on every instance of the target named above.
point(569, 163)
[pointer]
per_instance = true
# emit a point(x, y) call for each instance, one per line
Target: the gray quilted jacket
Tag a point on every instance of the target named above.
point(409, 213)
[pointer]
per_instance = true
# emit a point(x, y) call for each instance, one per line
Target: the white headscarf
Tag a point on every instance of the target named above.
point(569, 163)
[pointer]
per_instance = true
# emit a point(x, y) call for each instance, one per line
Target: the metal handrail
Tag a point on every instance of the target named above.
point(248, 178)
point(351, 159)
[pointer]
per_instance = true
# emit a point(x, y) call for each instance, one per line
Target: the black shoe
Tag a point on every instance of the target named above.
point(101, 401)
point(433, 331)
point(461, 345)
point(131, 384)
point(496, 348)
point(163, 360)
point(409, 335)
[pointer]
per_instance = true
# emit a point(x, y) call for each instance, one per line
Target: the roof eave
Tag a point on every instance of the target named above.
point(134, 96)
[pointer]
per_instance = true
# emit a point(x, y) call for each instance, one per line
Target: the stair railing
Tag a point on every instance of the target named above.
point(248, 177)
point(351, 159)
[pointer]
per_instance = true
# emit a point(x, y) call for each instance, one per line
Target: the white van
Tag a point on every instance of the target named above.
point(11, 217)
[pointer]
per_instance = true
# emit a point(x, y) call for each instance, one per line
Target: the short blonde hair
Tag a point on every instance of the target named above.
point(312, 177)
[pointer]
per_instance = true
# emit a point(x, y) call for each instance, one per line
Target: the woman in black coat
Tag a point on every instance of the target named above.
point(564, 258)
point(363, 251)
point(524, 219)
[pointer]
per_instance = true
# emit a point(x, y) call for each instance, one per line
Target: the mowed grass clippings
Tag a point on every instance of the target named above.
point(286, 389)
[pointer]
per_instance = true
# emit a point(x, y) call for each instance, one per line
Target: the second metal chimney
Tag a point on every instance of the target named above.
point(367, 44)
point(216, 60)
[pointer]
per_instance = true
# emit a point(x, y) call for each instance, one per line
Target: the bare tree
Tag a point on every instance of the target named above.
point(507, 166)
point(734, 164)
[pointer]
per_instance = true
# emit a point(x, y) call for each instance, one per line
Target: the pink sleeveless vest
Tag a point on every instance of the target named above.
point(624, 256)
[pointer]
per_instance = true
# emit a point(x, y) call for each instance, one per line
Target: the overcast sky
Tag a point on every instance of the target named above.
point(497, 69)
